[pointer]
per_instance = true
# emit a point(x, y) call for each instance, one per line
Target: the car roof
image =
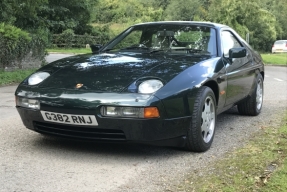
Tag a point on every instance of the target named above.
point(201, 23)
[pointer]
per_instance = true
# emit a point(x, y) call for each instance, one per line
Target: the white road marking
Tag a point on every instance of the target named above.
point(267, 76)
point(278, 79)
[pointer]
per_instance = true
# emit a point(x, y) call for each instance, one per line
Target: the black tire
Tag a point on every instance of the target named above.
point(202, 127)
point(252, 105)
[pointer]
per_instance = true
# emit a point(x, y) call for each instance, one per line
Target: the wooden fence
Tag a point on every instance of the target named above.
point(74, 41)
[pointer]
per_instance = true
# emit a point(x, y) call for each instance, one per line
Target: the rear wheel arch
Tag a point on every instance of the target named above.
point(262, 74)
point(252, 105)
point(260, 71)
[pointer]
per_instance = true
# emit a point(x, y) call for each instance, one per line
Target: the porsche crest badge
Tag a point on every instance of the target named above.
point(79, 85)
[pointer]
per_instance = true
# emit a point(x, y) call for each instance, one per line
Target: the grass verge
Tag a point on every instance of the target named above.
point(277, 59)
point(261, 165)
point(12, 77)
point(71, 51)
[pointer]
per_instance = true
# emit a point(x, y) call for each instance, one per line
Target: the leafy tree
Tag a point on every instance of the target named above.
point(6, 11)
point(124, 11)
point(55, 15)
point(67, 14)
point(278, 9)
point(246, 17)
point(22, 36)
point(156, 3)
point(22, 13)
point(185, 10)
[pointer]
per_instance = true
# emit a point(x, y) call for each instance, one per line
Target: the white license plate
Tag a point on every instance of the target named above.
point(89, 120)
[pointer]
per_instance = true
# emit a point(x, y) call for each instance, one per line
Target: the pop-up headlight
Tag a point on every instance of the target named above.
point(150, 86)
point(37, 78)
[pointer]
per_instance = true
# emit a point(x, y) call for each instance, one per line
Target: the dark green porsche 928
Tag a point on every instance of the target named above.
point(160, 83)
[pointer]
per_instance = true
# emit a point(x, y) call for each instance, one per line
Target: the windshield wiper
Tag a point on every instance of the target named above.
point(129, 48)
point(140, 46)
point(159, 50)
point(107, 50)
point(189, 50)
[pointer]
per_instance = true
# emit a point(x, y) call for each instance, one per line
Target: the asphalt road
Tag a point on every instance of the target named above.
point(32, 162)
point(54, 57)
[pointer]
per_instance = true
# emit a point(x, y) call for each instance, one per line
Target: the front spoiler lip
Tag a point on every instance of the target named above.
point(172, 142)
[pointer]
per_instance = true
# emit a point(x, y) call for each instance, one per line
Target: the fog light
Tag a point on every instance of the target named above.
point(111, 111)
point(28, 103)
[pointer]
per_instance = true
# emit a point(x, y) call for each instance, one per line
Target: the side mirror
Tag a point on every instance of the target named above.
point(95, 48)
point(238, 52)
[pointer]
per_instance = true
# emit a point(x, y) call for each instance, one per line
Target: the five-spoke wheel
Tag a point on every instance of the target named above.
point(202, 127)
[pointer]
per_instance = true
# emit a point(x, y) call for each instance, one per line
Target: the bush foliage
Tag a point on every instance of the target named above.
point(18, 46)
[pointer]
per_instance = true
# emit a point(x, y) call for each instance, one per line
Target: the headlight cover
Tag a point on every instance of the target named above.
point(150, 86)
point(37, 78)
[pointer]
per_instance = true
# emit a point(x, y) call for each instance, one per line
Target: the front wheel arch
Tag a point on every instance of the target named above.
point(201, 131)
point(214, 87)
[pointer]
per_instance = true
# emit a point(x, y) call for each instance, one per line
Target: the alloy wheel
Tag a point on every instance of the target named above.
point(259, 94)
point(208, 119)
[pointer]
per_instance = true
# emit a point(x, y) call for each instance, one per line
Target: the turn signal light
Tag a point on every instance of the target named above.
point(151, 112)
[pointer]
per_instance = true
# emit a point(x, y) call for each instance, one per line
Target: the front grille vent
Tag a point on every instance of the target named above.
point(78, 132)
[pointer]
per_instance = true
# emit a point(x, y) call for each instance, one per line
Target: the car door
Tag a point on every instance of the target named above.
point(239, 72)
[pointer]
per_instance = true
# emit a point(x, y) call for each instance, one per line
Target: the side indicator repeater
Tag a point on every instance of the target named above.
point(222, 92)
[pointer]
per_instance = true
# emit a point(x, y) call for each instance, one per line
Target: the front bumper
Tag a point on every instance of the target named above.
point(159, 131)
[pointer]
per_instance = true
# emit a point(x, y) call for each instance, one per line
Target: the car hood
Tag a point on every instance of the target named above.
point(115, 72)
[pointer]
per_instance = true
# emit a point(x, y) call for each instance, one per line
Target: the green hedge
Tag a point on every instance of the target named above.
point(18, 48)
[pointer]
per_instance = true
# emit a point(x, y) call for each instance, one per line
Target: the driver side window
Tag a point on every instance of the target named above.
point(228, 42)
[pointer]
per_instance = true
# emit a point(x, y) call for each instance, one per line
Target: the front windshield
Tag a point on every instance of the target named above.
point(172, 38)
